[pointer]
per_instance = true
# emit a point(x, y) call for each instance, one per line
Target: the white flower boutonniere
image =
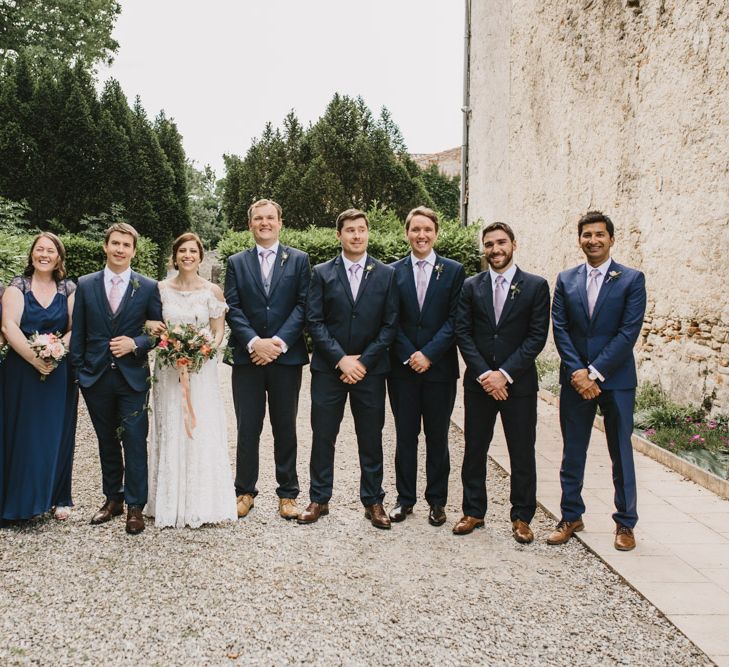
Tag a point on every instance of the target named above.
point(135, 287)
point(514, 290)
point(438, 268)
point(613, 275)
point(284, 257)
point(368, 270)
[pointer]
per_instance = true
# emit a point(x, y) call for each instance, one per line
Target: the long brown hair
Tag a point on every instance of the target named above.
point(59, 273)
point(184, 238)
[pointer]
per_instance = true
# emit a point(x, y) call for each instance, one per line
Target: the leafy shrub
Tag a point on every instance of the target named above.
point(13, 255)
point(548, 372)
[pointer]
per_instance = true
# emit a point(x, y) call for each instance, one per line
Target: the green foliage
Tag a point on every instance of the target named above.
point(13, 216)
point(206, 215)
point(13, 254)
point(548, 372)
point(59, 30)
point(387, 241)
point(444, 190)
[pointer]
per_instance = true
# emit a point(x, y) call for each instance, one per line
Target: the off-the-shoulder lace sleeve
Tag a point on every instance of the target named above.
point(69, 287)
point(20, 282)
point(216, 307)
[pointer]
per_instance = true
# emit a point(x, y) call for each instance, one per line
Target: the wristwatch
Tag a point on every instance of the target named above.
point(134, 349)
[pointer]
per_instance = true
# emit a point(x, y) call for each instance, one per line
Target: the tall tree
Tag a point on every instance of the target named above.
point(170, 142)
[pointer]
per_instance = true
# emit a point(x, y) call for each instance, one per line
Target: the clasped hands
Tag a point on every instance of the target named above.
point(419, 362)
point(265, 351)
point(352, 369)
point(585, 387)
point(495, 385)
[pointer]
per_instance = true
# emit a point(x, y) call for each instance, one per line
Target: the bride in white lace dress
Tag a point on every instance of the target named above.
point(190, 479)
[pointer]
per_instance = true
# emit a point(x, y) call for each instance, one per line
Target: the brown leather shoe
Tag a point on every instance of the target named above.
point(437, 515)
point(377, 516)
point(287, 508)
point(564, 531)
point(244, 503)
point(107, 511)
point(400, 513)
point(522, 533)
point(312, 513)
point(135, 520)
point(624, 538)
point(466, 525)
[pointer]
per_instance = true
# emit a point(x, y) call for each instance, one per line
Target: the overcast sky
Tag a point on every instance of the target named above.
point(223, 68)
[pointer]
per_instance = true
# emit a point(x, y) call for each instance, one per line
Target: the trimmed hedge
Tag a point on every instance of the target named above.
point(82, 255)
point(385, 243)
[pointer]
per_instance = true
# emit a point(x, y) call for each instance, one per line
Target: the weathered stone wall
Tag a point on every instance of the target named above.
point(622, 106)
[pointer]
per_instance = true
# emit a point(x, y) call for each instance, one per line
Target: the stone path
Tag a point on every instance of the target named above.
point(266, 592)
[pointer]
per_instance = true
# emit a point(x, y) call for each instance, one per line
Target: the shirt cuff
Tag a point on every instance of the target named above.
point(284, 347)
point(594, 370)
point(249, 347)
point(506, 375)
point(483, 375)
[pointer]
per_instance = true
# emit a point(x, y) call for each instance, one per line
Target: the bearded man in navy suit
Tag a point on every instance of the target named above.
point(265, 288)
point(501, 326)
point(597, 316)
point(422, 381)
point(351, 314)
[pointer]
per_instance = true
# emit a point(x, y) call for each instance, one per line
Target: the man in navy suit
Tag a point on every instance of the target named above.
point(501, 326)
point(109, 357)
point(422, 381)
point(265, 288)
point(351, 314)
point(597, 316)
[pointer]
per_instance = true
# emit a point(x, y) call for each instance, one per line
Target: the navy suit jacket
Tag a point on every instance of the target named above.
point(514, 343)
point(340, 326)
point(606, 340)
point(432, 329)
point(94, 325)
point(280, 313)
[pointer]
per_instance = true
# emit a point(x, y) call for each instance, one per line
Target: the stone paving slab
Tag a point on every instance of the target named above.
point(681, 563)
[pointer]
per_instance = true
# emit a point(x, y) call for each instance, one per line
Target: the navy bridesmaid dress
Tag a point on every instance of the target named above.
point(2, 403)
point(39, 417)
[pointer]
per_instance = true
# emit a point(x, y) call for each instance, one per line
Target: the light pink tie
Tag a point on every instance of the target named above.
point(499, 297)
point(266, 263)
point(115, 294)
point(421, 282)
point(592, 290)
point(354, 279)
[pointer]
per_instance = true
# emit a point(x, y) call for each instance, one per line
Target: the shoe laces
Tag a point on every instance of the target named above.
point(563, 524)
point(623, 530)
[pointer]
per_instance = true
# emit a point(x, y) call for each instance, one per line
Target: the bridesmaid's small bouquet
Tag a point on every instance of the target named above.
point(49, 347)
point(185, 346)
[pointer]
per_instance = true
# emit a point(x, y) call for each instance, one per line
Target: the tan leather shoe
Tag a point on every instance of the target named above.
point(377, 516)
point(287, 508)
point(244, 504)
point(107, 511)
point(466, 525)
point(624, 538)
point(564, 531)
point(522, 533)
point(135, 520)
point(312, 513)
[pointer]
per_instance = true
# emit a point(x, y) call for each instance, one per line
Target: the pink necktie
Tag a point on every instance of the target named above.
point(499, 297)
point(592, 290)
point(115, 294)
point(421, 282)
point(266, 263)
point(354, 279)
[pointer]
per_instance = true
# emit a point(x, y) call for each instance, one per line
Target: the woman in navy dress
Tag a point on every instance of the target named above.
point(2, 402)
point(39, 416)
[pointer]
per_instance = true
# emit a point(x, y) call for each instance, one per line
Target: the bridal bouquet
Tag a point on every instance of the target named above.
point(185, 345)
point(49, 347)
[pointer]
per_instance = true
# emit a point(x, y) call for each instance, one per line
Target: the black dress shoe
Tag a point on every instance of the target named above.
point(109, 509)
point(400, 513)
point(436, 516)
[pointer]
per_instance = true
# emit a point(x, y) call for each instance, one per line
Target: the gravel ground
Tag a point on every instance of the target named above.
point(265, 591)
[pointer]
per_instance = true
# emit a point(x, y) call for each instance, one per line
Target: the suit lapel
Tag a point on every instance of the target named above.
point(278, 268)
point(488, 297)
point(117, 317)
point(408, 279)
point(100, 293)
point(602, 295)
point(254, 268)
point(511, 296)
point(582, 288)
point(366, 277)
point(342, 275)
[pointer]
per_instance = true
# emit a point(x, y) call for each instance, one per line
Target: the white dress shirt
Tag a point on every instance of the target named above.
point(599, 279)
point(125, 278)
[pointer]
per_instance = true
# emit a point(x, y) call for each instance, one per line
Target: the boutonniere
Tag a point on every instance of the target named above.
point(284, 257)
point(613, 275)
point(135, 287)
point(368, 270)
point(438, 268)
point(514, 290)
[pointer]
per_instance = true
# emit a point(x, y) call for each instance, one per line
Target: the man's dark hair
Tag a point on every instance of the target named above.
point(592, 217)
point(351, 214)
point(495, 227)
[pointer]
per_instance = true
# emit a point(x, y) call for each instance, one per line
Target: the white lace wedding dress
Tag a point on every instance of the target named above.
point(190, 479)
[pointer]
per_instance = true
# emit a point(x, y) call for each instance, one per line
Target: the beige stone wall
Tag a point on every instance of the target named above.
point(623, 106)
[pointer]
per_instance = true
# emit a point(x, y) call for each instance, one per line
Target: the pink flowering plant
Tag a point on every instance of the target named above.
point(185, 345)
point(49, 347)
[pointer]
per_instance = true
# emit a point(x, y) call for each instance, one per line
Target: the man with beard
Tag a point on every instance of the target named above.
point(501, 327)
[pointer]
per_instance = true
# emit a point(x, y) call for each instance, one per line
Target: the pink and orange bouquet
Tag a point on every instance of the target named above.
point(185, 345)
point(49, 347)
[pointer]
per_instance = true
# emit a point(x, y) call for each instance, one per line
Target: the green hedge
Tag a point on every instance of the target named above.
point(82, 255)
point(386, 244)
